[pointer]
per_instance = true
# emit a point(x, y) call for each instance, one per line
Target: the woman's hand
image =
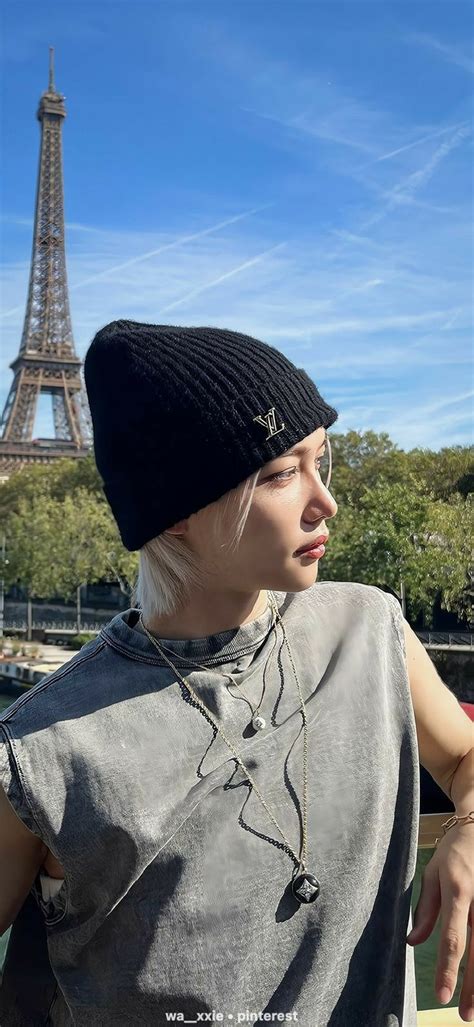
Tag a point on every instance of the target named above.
point(448, 884)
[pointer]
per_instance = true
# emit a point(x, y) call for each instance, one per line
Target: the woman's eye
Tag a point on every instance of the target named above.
point(282, 475)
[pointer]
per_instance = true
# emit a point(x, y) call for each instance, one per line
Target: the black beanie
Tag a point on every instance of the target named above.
point(183, 415)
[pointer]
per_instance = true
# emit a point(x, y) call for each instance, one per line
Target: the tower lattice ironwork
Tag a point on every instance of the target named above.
point(46, 362)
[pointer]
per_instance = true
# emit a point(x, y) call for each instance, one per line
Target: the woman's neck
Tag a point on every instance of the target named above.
point(209, 615)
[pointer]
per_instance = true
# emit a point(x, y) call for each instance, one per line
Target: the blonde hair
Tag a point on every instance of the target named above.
point(169, 572)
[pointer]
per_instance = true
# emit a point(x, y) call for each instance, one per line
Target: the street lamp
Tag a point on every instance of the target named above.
point(2, 587)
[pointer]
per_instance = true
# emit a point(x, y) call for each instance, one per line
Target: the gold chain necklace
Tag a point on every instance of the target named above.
point(258, 722)
point(304, 885)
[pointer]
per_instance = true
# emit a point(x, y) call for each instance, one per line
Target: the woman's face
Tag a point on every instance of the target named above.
point(287, 512)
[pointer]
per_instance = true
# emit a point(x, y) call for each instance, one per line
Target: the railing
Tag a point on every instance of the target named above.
point(429, 828)
point(446, 639)
point(61, 627)
point(457, 640)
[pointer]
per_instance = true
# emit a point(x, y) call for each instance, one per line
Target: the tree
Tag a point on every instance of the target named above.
point(55, 546)
point(391, 527)
point(55, 480)
point(403, 517)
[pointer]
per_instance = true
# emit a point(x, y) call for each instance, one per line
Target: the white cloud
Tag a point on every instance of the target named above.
point(453, 54)
point(321, 312)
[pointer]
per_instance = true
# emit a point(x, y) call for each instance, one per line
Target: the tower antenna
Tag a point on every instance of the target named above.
point(51, 86)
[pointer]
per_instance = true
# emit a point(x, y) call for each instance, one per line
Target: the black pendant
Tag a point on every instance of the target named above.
point(305, 888)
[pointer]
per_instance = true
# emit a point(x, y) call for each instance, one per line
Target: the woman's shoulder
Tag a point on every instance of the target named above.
point(343, 593)
point(53, 690)
point(346, 608)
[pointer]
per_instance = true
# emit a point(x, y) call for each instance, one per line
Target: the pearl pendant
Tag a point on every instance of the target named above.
point(305, 888)
point(258, 722)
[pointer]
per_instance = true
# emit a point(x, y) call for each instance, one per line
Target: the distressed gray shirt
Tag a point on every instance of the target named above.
point(176, 904)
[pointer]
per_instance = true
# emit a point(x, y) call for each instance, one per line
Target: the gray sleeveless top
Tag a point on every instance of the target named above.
point(177, 900)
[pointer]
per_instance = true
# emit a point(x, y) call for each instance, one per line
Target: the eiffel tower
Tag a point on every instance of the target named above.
point(46, 362)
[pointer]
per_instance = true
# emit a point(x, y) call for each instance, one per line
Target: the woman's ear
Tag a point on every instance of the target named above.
point(180, 528)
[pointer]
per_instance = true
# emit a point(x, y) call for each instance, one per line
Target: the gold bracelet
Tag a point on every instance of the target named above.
point(456, 820)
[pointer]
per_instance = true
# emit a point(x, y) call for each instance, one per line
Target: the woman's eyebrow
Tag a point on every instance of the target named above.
point(302, 449)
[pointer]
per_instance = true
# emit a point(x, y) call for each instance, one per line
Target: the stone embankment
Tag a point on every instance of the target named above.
point(23, 671)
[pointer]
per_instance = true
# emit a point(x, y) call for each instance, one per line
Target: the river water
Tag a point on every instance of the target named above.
point(425, 955)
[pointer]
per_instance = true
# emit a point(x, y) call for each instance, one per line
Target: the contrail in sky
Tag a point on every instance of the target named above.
point(170, 246)
point(416, 142)
point(161, 249)
point(406, 190)
point(228, 274)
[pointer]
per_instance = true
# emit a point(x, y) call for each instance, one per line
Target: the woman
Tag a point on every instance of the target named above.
point(222, 787)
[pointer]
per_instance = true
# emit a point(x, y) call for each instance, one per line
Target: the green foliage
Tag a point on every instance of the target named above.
point(403, 516)
point(60, 532)
point(77, 641)
point(55, 480)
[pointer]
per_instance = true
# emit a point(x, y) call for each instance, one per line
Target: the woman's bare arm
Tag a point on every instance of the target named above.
point(22, 854)
point(444, 731)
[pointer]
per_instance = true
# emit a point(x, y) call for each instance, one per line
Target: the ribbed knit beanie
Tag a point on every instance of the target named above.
point(182, 415)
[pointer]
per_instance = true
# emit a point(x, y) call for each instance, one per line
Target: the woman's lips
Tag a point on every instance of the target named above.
point(313, 554)
point(320, 540)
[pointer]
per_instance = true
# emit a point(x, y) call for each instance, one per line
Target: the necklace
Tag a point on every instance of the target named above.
point(257, 722)
point(304, 885)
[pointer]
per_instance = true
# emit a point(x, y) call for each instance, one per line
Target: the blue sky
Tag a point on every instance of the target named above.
point(296, 170)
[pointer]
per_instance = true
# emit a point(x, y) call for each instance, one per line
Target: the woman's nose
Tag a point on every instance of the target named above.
point(322, 501)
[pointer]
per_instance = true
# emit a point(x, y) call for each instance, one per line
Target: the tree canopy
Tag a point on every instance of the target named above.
point(402, 516)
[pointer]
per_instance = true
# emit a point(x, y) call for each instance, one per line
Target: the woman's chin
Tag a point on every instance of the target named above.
point(297, 579)
point(310, 575)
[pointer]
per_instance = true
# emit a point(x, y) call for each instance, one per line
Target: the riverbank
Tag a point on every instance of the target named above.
point(20, 673)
